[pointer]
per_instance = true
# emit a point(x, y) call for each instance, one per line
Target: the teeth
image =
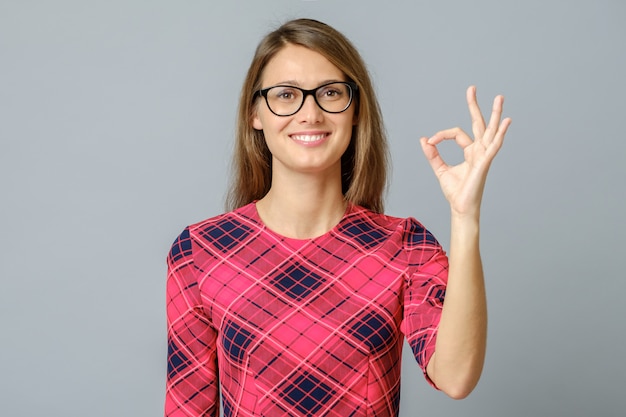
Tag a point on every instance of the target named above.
point(308, 138)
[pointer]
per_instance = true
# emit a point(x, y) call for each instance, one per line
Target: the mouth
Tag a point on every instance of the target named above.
point(309, 138)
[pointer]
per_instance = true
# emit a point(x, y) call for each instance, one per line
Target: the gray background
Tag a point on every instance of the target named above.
point(116, 127)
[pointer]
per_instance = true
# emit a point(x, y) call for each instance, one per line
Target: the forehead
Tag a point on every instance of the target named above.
point(301, 66)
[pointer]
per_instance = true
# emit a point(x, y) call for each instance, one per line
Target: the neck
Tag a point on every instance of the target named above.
point(303, 207)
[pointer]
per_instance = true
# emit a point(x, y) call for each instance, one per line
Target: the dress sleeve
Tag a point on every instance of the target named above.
point(192, 387)
point(424, 292)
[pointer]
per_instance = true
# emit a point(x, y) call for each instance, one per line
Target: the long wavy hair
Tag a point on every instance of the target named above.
point(364, 163)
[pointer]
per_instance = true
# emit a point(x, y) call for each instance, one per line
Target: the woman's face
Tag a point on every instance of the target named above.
point(311, 140)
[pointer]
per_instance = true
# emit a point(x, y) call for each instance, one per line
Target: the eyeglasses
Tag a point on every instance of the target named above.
point(287, 100)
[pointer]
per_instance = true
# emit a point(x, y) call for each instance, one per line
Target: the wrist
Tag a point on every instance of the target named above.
point(465, 218)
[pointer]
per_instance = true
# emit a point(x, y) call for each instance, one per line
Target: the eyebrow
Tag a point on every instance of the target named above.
point(297, 84)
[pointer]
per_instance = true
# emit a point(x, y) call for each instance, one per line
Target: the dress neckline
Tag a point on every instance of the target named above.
point(296, 242)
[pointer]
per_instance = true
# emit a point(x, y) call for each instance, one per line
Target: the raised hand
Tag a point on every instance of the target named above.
point(463, 184)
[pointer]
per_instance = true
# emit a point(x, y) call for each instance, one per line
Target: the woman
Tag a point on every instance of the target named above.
point(296, 301)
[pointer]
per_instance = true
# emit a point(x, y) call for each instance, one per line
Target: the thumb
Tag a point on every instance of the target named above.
point(432, 155)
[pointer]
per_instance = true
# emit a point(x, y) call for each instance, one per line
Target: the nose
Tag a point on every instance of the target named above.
point(310, 112)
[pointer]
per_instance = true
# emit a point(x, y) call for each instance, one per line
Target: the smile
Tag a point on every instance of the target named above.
point(309, 138)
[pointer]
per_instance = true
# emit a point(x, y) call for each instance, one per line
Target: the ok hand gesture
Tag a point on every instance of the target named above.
point(463, 184)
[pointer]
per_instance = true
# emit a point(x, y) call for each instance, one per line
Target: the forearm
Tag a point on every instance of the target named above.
point(461, 340)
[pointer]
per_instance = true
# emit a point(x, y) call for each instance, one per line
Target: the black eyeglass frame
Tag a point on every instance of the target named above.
point(352, 86)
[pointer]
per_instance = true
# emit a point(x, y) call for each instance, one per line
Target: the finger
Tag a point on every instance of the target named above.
point(432, 156)
point(494, 120)
point(478, 122)
point(494, 147)
point(498, 139)
point(456, 133)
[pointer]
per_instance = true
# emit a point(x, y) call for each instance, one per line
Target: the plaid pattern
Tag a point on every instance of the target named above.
point(299, 327)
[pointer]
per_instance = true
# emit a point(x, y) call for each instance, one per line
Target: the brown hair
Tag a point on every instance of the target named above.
point(364, 163)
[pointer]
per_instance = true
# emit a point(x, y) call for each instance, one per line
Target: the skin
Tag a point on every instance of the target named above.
point(457, 363)
point(305, 200)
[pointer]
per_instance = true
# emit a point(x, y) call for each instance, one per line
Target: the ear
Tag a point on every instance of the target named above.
point(256, 121)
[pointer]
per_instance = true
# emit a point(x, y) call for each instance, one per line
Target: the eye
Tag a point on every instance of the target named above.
point(284, 94)
point(331, 92)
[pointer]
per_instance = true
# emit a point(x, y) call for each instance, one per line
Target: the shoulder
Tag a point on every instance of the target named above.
point(222, 231)
point(228, 220)
point(411, 232)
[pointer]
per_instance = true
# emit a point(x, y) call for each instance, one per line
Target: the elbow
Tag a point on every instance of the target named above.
point(458, 392)
point(456, 380)
point(456, 385)
point(458, 389)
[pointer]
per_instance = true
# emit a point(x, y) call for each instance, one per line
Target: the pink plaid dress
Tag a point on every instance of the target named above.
point(288, 327)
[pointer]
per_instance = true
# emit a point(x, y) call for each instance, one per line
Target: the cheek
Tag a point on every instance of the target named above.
point(353, 116)
point(269, 123)
point(348, 121)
